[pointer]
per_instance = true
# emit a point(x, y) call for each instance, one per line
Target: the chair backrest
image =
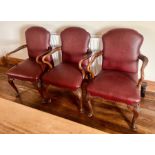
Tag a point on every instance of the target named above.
point(75, 42)
point(37, 40)
point(121, 48)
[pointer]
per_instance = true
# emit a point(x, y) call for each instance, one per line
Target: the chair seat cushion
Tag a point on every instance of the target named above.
point(115, 86)
point(64, 75)
point(27, 70)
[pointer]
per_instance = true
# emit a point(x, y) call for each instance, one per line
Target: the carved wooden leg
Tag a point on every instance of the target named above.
point(91, 113)
point(136, 110)
point(46, 96)
point(143, 89)
point(10, 80)
point(40, 87)
point(78, 93)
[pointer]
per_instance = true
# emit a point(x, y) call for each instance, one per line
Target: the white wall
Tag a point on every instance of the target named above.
point(12, 35)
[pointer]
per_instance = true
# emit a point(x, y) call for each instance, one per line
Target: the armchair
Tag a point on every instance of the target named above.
point(118, 80)
point(31, 69)
point(75, 54)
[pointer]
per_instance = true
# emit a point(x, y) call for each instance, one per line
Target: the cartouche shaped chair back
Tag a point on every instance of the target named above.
point(75, 43)
point(121, 49)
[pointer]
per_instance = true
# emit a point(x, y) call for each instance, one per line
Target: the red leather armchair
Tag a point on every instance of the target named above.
point(118, 80)
point(75, 54)
point(31, 69)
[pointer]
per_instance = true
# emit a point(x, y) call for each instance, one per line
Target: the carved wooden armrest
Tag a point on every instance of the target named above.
point(145, 62)
point(39, 57)
point(50, 53)
point(85, 57)
point(14, 51)
point(97, 54)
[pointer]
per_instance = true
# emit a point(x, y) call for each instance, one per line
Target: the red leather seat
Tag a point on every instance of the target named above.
point(27, 70)
point(115, 86)
point(31, 69)
point(64, 75)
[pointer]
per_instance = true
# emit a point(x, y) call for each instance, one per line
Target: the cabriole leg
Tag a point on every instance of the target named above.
point(46, 96)
point(41, 88)
point(10, 80)
point(78, 93)
point(136, 110)
point(88, 99)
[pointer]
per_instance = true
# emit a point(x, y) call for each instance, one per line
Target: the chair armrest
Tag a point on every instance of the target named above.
point(85, 57)
point(38, 58)
point(50, 53)
point(16, 50)
point(145, 62)
point(97, 54)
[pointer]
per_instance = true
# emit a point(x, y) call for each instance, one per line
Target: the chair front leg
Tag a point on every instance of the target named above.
point(39, 87)
point(10, 81)
point(78, 94)
point(89, 102)
point(46, 96)
point(42, 89)
point(136, 110)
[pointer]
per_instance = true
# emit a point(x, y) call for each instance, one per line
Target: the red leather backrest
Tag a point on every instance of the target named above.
point(38, 41)
point(121, 48)
point(75, 43)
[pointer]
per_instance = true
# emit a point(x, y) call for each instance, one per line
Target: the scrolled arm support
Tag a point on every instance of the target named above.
point(97, 54)
point(145, 62)
point(38, 58)
point(85, 57)
point(50, 53)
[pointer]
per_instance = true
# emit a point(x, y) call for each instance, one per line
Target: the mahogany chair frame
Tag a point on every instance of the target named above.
point(135, 108)
point(78, 93)
point(38, 83)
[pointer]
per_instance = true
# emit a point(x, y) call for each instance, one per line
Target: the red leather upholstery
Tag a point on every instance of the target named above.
point(27, 70)
point(64, 75)
point(38, 41)
point(118, 79)
point(75, 42)
point(115, 86)
point(121, 49)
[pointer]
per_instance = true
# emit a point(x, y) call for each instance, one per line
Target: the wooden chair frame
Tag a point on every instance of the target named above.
point(135, 108)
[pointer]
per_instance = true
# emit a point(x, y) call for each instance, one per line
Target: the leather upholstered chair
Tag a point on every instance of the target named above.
point(31, 69)
point(118, 79)
point(75, 54)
